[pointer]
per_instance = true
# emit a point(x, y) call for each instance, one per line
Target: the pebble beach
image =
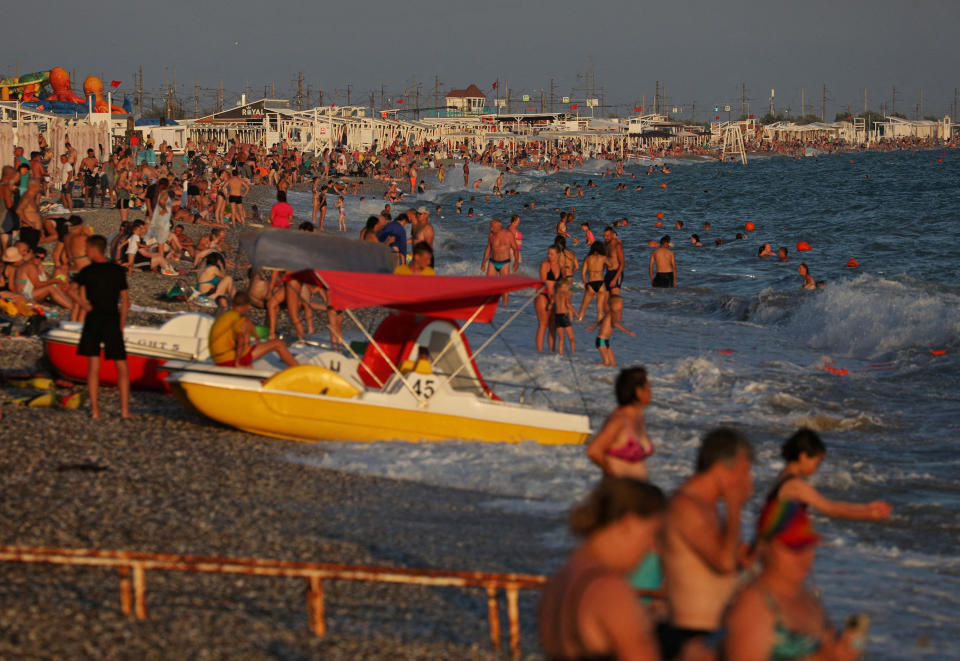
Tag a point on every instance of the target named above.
point(170, 481)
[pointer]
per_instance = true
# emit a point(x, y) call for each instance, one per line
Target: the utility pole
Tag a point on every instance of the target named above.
point(543, 100)
point(954, 116)
point(246, 90)
point(273, 89)
point(693, 112)
point(771, 103)
point(166, 97)
point(893, 105)
point(551, 95)
point(373, 108)
point(921, 104)
point(743, 99)
point(220, 97)
point(656, 99)
point(319, 95)
point(300, 90)
point(349, 89)
point(196, 97)
point(436, 94)
point(643, 103)
point(418, 100)
point(823, 112)
point(383, 97)
point(864, 100)
point(506, 87)
point(803, 109)
point(173, 92)
point(309, 103)
point(140, 93)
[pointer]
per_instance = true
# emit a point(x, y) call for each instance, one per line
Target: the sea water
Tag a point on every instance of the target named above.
point(739, 342)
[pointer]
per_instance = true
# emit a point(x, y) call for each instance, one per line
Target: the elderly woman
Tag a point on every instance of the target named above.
point(588, 609)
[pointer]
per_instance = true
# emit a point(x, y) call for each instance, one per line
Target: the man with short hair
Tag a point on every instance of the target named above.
point(700, 549)
point(420, 265)
point(664, 263)
point(102, 286)
point(230, 338)
point(237, 188)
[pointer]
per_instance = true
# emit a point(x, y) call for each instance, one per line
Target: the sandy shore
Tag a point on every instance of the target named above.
point(172, 482)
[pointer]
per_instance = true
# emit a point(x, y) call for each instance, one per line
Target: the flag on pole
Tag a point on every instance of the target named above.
point(399, 102)
point(574, 106)
point(637, 109)
point(494, 84)
point(115, 84)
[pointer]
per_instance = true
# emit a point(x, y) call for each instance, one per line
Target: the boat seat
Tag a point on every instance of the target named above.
point(311, 380)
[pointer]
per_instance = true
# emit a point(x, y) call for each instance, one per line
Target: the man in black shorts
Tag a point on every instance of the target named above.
point(102, 286)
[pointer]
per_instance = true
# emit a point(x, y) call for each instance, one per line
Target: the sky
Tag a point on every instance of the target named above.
point(702, 51)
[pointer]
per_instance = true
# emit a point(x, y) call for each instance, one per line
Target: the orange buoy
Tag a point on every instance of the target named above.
point(724, 351)
point(660, 214)
point(851, 160)
point(938, 352)
point(749, 226)
point(853, 263)
point(803, 246)
point(658, 224)
point(652, 244)
point(663, 185)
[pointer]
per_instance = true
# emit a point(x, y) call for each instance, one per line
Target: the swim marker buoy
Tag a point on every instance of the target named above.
point(938, 352)
point(803, 246)
point(663, 185)
point(660, 214)
point(749, 226)
point(652, 244)
point(853, 263)
point(658, 224)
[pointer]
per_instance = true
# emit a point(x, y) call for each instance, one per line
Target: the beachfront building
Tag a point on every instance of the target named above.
point(469, 101)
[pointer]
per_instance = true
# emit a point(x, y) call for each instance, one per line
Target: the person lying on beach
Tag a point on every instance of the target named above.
point(588, 609)
point(622, 445)
point(230, 338)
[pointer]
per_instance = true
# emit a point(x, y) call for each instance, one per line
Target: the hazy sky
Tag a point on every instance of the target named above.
point(702, 50)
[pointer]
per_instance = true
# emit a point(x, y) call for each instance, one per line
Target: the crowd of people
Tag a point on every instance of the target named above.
point(717, 595)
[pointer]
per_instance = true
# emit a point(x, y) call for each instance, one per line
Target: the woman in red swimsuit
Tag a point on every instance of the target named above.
point(622, 446)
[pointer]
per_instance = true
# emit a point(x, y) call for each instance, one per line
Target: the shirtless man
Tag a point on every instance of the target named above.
point(34, 228)
point(700, 549)
point(500, 251)
point(662, 260)
point(87, 175)
point(613, 278)
point(75, 244)
point(422, 230)
point(237, 188)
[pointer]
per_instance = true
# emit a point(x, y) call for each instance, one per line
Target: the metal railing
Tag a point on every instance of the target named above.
point(133, 566)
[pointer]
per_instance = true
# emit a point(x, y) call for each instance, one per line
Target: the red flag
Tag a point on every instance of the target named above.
point(574, 106)
point(494, 84)
point(115, 84)
point(637, 109)
point(399, 102)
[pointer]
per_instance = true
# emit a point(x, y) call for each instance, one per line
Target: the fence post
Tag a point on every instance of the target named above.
point(315, 607)
point(513, 616)
point(493, 614)
point(140, 591)
point(125, 598)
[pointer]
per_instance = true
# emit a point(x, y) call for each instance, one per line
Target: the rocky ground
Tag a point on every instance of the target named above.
point(171, 482)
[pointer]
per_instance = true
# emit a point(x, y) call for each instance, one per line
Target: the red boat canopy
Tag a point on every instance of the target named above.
point(444, 297)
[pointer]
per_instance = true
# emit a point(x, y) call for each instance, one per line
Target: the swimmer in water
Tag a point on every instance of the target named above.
point(765, 251)
point(622, 445)
point(808, 281)
point(782, 254)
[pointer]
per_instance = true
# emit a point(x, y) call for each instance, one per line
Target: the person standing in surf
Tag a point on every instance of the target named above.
point(622, 445)
point(663, 265)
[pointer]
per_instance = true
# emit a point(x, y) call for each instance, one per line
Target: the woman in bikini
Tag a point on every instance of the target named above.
point(550, 272)
point(622, 446)
point(592, 276)
point(776, 616)
point(588, 609)
point(213, 280)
